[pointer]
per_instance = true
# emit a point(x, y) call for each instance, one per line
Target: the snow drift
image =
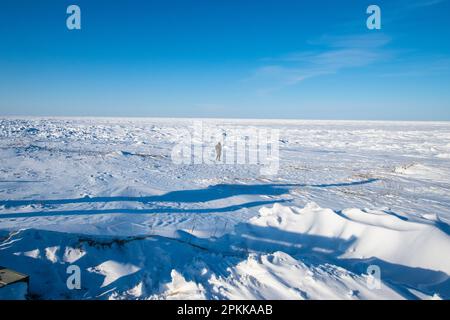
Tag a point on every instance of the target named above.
point(367, 233)
point(285, 252)
point(104, 194)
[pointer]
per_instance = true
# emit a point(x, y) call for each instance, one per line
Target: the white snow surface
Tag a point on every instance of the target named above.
point(105, 195)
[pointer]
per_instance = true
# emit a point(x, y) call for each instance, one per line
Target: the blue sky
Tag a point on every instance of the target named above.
point(226, 58)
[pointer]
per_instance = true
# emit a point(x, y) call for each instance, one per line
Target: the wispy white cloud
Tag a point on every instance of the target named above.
point(432, 66)
point(331, 55)
point(366, 41)
point(424, 3)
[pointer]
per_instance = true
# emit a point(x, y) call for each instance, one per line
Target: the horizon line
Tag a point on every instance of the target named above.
point(211, 118)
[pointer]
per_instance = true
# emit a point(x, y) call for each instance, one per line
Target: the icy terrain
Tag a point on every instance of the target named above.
point(105, 195)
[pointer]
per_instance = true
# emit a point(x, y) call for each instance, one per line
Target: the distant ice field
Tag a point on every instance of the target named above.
point(347, 194)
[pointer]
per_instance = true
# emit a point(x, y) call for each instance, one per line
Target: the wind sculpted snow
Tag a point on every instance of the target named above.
point(105, 195)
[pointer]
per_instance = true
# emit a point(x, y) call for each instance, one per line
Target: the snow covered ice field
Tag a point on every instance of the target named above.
point(105, 195)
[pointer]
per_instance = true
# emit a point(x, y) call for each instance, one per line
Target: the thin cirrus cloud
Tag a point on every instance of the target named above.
point(425, 67)
point(332, 54)
point(425, 3)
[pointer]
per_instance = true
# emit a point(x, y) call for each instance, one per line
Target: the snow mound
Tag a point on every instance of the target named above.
point(280, 276)
point(157, 267)
point(113, 270)
point(365, 234)
point(180, 289)
point(417, 170)
point(119, 153)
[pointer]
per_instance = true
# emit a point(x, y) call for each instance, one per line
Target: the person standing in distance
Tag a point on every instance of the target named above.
point(218, 151)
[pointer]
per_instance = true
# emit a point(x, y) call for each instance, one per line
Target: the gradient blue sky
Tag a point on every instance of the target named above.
point(226, 58)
